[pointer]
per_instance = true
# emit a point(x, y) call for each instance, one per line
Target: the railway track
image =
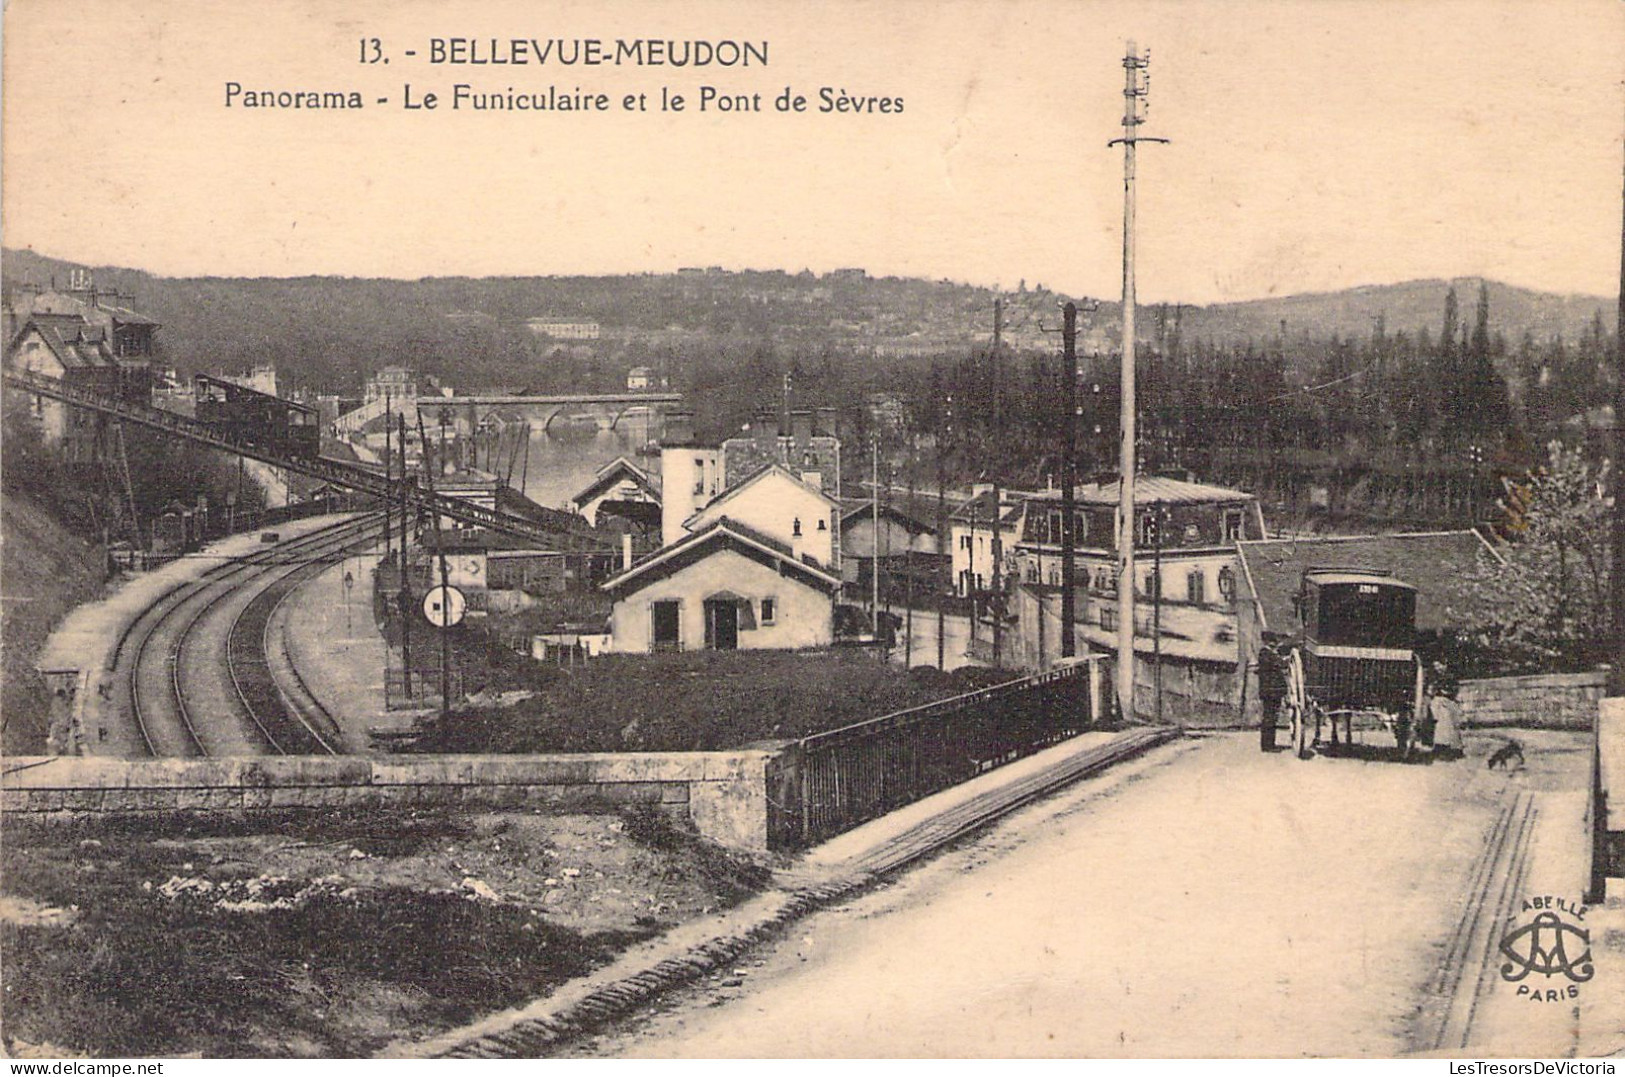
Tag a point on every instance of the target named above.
point(1466, 970)
point(159, 656)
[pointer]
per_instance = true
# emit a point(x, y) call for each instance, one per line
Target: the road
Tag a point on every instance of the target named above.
point(923, 651)
point(1205, 901)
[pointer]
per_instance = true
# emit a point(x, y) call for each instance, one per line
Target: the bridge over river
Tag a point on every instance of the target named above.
point(569, 437)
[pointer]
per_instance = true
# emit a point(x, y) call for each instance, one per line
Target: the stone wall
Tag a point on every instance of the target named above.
point(724, 794)
point(1546, 701)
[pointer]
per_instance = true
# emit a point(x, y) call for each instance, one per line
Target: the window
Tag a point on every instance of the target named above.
point(770, 609)
point(1108, 619)
point(699, 476)
point(964, 542)
point(823, 525)
point(795, 527)
point(1196, 586)
point(666, 634)
point(1227, 583)
point(1150, 531)
point(1232, 525)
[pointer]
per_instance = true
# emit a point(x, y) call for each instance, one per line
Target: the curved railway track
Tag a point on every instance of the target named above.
point(158, 687)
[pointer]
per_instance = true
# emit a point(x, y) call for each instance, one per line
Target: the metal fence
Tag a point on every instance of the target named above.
point(828, 783)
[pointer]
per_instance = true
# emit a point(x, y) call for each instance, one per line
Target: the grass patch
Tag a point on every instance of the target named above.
point(326, 933)
point(697, 701)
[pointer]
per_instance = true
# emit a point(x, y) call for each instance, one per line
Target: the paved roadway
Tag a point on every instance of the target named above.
point(1207, 900)
point(923, 651)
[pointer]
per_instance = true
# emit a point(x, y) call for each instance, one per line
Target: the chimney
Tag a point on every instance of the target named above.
point(626, 550)
point(826, 422)
point(679, 429)
point(766, 423)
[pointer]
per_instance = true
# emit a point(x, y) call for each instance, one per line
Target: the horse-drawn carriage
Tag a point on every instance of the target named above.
point(1355, 670)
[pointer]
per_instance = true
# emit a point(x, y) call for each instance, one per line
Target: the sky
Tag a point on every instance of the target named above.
point(1315, 144)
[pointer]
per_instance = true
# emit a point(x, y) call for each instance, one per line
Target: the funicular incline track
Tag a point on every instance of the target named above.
point(553, 529)
point(154, 651)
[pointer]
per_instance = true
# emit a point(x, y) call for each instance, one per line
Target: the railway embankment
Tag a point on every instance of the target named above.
point(77, 657)
point(45, 571)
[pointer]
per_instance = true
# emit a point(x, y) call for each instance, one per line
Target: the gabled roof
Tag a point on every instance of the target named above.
point(1433, 562)
point(613, 472)
point(76, 345)
point(979, 509)
point(751, 480)
point(1151, 489)
point(126, 316)
point(723, 534)
point(856, 511)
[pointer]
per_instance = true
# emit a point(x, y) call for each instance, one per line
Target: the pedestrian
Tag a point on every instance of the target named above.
point(1445, 713)
point(1271, 692)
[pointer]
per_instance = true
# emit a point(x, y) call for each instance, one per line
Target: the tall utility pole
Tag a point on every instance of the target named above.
point(1134, 92)
point(440, 551)
point(1597, 883)
point(943, 538)
point(908, 605)
point(407, 612)
point(1069, 478)
point(389, 467)
point(996, 603)
point(874, 519)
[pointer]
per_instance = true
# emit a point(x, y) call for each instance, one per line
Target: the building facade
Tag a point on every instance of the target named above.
point(1186, 587)
point(724, 587)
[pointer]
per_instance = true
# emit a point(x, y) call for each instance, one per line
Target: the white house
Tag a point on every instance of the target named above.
point(619, 482)
point(779, 505)
point(725, 587)
point(978, 527)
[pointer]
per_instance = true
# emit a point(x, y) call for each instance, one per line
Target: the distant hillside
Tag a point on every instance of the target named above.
point(1403, 307)
point(328, 333)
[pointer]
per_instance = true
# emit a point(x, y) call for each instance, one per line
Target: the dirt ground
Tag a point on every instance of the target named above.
point(324, 934)
point(1207, 900)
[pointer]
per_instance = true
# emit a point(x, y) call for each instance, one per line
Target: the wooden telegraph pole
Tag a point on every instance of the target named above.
point(1597, 881)
point(1069, 480)
point(1135, 81)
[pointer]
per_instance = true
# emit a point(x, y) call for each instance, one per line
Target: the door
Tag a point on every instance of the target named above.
point(722, 625)
point(665, 636)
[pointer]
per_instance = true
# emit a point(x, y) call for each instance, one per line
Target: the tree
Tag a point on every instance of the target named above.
point(1543, 602)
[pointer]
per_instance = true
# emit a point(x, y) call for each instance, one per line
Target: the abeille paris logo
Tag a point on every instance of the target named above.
point(1551, 943)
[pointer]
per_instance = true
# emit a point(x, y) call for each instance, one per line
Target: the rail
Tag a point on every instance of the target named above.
point(830, 782)
point(560, 531)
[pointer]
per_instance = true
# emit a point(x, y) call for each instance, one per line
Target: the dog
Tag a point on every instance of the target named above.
point(1505, 754)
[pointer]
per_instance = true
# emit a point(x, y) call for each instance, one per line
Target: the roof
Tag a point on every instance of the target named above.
point(1152, 490)
point(76, 345)
point(751, 480)
point(612, 473)
point(126, 316)
point(1433, 562)
point(1332, 578)
point(725, 533)
point(855, 510)
point(979, 509)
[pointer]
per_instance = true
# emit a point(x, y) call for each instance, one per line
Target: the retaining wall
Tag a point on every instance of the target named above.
point(1546, 701)
point(724, 794)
